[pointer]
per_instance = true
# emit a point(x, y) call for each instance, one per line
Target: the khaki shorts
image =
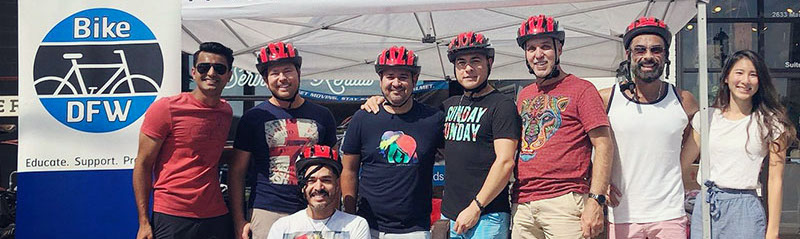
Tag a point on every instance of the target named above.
point(262, 221)
point(552, 218)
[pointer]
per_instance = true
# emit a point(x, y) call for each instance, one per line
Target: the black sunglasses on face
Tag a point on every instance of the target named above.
point(219, 68)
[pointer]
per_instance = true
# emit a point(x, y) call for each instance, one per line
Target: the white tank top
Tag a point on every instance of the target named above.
point(646, 167)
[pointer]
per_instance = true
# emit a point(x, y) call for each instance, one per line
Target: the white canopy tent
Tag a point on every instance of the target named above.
point(340, 39)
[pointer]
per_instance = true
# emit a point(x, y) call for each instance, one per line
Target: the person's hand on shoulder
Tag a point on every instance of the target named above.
point(373, 104)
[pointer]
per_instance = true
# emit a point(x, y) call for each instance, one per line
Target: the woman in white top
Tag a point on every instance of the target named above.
point(747, 123)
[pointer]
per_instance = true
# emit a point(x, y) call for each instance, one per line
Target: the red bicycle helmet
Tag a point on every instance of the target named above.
point(468, 42)
point(647, 25)
point(277, 52)
point(316, 155)
point(539, 26)
point(397, 56)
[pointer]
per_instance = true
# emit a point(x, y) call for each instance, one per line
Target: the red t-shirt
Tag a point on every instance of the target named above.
point(555, 150)
point(186, 173)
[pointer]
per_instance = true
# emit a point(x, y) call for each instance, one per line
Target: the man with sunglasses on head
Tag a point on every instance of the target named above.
point(272, 134)
point(180, 145)
point(559, 190)
point(650, 121)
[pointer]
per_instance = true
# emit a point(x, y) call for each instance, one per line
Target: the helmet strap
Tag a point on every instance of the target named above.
point(290, 100)
point(629, 84)
point(386, 100)
point(480, 87)
point(555, 72)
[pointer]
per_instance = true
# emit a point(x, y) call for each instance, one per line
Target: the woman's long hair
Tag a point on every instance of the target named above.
point(767, 109)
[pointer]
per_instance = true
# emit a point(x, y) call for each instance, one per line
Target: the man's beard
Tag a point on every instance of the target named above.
point(319, 205)
point(399, 101)
point(273, 93)
point(649, 76)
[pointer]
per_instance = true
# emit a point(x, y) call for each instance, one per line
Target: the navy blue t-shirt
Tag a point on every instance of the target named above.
point(274, 137)
point(397, 154)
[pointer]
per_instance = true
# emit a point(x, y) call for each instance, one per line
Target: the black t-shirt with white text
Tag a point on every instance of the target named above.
point(470, 128)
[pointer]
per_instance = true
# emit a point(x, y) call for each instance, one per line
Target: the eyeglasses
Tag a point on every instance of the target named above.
point(639, 50)
point(473, 64)
point(219, 68)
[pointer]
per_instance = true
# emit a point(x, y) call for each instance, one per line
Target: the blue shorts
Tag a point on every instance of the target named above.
point(491, 225)
point(734, 214)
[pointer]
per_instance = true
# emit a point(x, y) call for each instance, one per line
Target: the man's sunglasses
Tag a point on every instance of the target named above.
point(219, 68)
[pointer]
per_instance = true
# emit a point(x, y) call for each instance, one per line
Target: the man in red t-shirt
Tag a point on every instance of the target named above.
point(562, 119)
point(180, 145)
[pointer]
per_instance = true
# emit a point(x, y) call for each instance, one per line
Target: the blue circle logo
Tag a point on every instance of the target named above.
point(98, 70)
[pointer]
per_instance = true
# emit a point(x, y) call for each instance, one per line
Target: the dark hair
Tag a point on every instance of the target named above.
point(216, 48)
point(767, 108)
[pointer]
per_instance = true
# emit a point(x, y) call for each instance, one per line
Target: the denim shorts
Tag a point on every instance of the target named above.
point(490, 225)
point(734, 214)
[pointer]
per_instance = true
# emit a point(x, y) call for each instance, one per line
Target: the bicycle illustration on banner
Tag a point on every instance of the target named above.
point(82, 88)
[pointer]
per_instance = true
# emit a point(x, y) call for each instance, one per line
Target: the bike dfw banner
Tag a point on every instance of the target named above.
point(88, 70)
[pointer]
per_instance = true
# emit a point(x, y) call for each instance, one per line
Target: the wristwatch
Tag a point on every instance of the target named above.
point(601, 199)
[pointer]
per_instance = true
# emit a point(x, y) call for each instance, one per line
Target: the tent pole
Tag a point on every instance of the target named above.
point(584, 31)
point(421, 29)
point(570, 13)
point(317, 28)
point(666, 10)
point(594, 34)
point(702, 79)
point(194, 37)
point(333, 56)
point(433, 26)
point(251, 49)
point(438, 49)
point(331, 27)
point(235, 34)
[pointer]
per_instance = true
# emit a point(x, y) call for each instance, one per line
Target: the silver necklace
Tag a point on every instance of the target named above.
point(635, 93)
point(324, 225)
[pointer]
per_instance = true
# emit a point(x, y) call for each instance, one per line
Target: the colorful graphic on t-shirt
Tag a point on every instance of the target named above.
point(317, 235)
point(541, 118)
point(461, 123)
point(285, 138)
point(398, 147)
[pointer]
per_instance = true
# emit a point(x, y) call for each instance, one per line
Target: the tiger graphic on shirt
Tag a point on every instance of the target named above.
point(541, 118)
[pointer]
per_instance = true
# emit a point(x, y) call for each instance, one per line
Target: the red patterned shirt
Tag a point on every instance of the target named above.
point(555, 150)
